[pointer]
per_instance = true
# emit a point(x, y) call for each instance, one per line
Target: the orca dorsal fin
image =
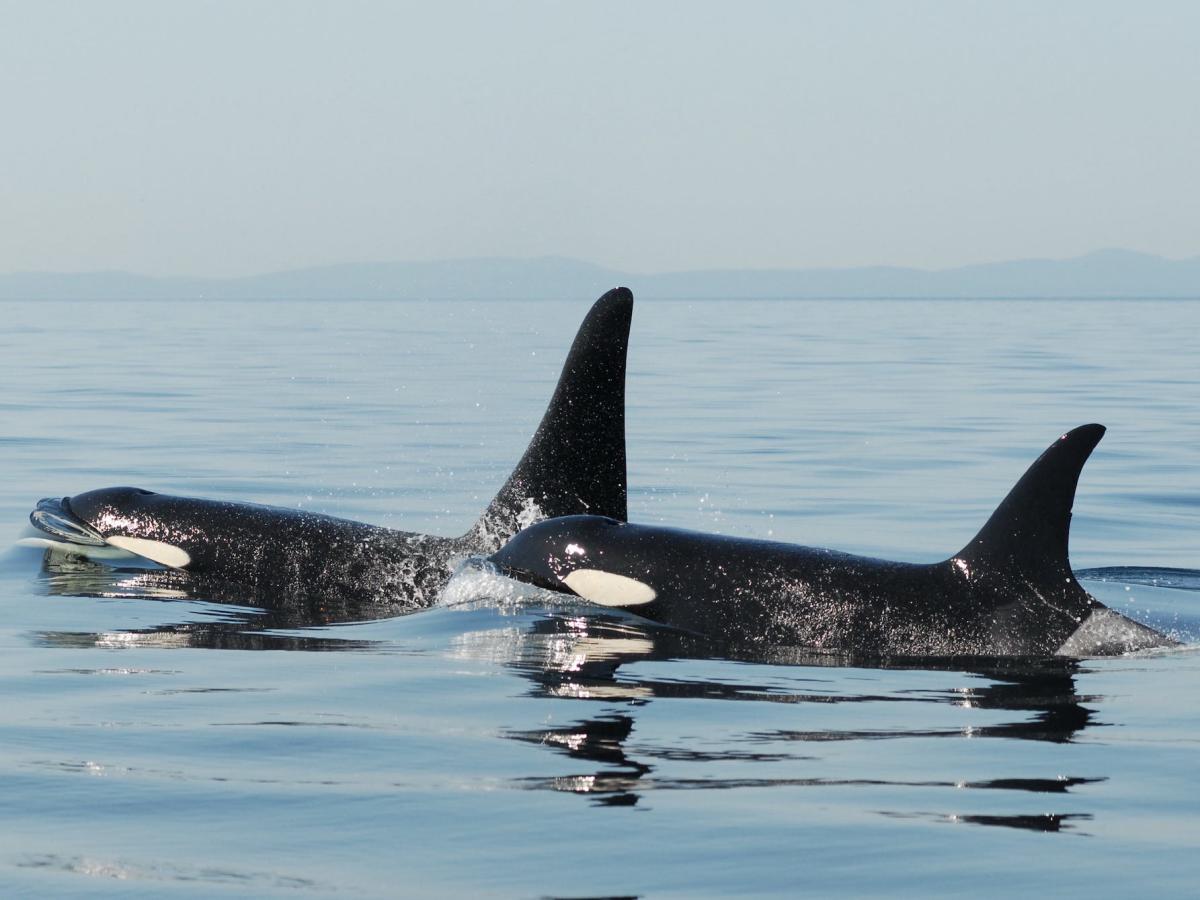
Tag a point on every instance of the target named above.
point(1028, 533)
point(575, 463)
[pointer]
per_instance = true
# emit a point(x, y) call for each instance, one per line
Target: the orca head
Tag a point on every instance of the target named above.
point(589, 556)
point(127, 518)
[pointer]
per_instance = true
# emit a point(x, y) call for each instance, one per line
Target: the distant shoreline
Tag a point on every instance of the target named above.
point(642, 296)
point(1103, 275)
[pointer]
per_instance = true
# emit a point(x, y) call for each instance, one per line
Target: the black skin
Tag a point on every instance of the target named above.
point(1009, 592)
point(281, 558)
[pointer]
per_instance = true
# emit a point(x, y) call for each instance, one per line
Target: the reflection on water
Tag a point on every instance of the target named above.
point(67, 575)
point(1034, 822)
point(228, 625)
point(584, 654)
point(231, 634)
point(577, 657)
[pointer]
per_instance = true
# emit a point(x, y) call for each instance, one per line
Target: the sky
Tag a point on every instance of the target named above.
point(234, 138)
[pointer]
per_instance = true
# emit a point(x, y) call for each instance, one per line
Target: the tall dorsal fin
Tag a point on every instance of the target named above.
point(575, 463)
point(1028, 533)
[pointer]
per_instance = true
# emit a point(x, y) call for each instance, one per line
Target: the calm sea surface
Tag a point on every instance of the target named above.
point(154, 746)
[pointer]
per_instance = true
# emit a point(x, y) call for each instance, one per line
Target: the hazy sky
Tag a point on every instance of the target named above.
point(223, 138)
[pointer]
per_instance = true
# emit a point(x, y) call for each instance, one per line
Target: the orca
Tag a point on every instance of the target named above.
point(575, 463)
point(1009, 592)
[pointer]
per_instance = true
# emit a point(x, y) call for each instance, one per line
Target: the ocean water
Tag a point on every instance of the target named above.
point(155, 744)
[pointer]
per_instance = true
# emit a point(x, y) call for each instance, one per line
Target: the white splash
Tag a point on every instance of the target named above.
point(478, 581)
point(530, 513)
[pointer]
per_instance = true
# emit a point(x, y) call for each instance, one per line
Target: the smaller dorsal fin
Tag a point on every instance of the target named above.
point(1028, 532)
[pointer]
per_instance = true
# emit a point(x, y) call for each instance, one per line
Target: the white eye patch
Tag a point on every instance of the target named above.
point(155, 551)
point(609, 589)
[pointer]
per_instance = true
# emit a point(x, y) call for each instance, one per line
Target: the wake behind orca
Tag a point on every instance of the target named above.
point(1009, 592)
point(275, 557)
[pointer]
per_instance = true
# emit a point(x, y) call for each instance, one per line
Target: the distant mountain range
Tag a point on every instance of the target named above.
point(1105, 273)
